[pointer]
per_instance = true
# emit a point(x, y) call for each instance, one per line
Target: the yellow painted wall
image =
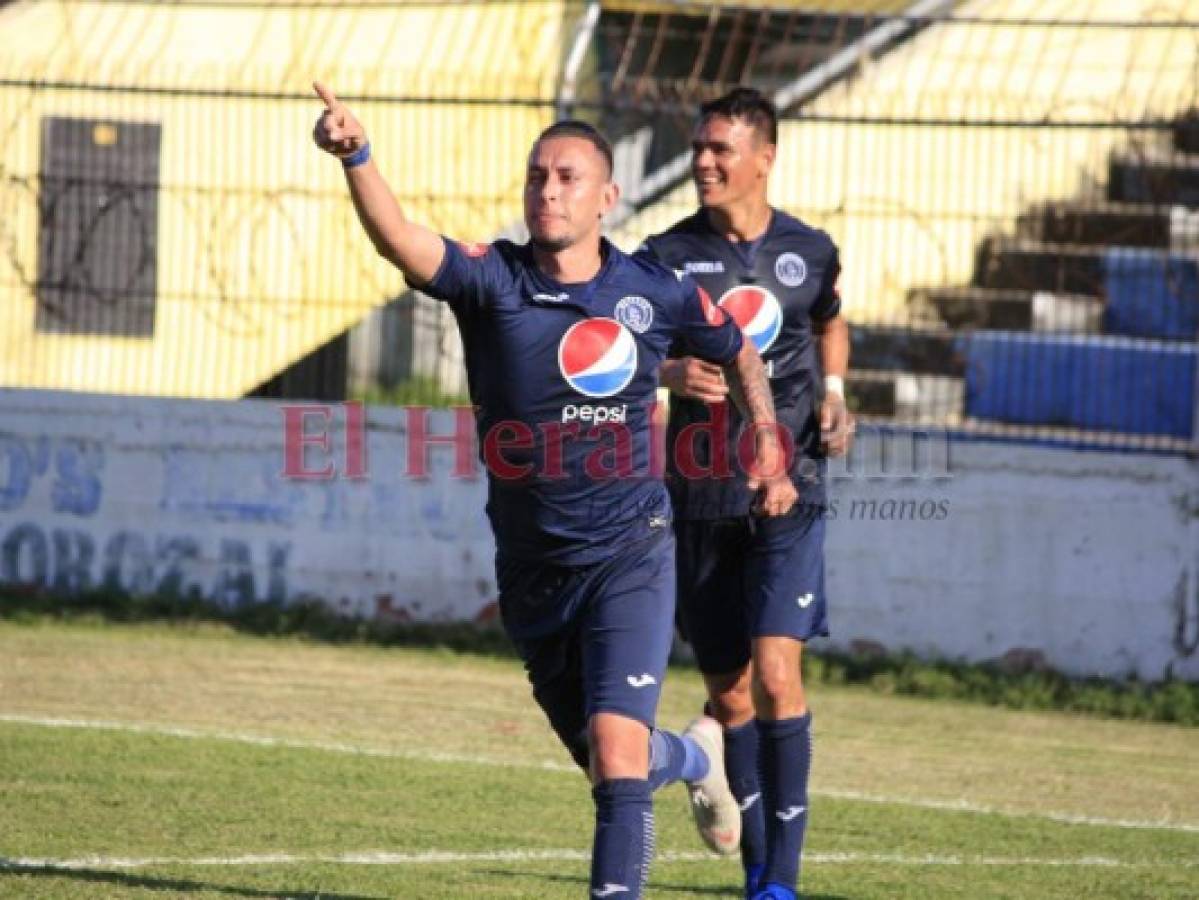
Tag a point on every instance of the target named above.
point(260, 256)
point(700, 8)
point(909, 203)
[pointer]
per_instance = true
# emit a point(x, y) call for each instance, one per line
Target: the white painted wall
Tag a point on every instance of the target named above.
point(1090, 558)
point(970, 551)
point(149, 493)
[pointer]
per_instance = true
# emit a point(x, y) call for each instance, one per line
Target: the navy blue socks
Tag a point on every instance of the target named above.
point(624, 838)
point(786, 760)
point(741, 766)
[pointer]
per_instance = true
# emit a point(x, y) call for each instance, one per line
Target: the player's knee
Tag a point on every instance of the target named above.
point(730, 700)
point(777, 683)
point(619, 748)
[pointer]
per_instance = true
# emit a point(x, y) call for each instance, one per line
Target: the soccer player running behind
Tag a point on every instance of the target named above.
point(563, 339)
point(751, 590)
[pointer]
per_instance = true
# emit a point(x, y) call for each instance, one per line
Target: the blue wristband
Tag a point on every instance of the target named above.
point(358, 157)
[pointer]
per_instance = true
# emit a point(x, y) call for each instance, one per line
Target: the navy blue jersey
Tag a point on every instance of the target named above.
point(773, 288)
point(564, 378)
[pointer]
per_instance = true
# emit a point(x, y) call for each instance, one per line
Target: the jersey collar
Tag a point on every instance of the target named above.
point(550, 291)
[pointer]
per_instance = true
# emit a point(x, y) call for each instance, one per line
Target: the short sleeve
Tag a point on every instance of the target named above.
point(706, 330)
point(828, 301)
point(470, 274)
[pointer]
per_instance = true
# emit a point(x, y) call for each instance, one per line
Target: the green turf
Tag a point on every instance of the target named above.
point(988, 683)
point(71, 793)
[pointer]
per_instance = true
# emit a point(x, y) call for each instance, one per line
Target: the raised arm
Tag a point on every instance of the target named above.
point(750, 390)
point(412, 248)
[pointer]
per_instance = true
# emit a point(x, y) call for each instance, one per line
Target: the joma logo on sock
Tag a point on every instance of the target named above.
point(609, 889)
point(750, 801)
point(790, 813)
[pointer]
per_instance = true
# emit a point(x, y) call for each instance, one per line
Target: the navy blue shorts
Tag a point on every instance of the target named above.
point(593, 638)
point(749, 577)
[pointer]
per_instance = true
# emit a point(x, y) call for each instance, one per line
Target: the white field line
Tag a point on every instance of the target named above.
point(552, 766)
point(439, 857)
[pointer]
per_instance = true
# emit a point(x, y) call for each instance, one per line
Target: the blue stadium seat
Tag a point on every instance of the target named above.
point(1127, 385)
point(1151, 294)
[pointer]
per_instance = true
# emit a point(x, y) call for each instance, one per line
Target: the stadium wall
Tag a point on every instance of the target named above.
point(949, 548)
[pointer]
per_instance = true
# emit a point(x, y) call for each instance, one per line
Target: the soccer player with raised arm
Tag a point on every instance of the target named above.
point(563, 340)
point(751, 589)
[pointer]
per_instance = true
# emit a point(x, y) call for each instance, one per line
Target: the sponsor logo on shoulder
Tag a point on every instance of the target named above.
point(791, 269)
point(704, 266)
point(635, 313)
point(474, 250)
point(712, 313)
point(552, 298)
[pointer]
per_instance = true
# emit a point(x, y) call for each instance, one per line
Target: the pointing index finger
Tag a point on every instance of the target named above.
point(326, 94)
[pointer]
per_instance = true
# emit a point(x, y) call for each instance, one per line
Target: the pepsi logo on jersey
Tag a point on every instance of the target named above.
point(757, 312)
point(598, 358)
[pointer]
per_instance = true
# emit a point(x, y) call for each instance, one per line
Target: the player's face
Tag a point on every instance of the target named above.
point(568, 190)
point(730, 162)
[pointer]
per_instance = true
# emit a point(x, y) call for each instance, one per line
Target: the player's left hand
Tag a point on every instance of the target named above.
point(837, 426)
point(768, 478)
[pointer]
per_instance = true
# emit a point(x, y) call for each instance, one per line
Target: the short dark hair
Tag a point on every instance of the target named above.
point(580, 129)
point(749, 105)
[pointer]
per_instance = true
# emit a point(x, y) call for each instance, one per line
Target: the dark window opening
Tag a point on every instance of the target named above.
point(98, 227)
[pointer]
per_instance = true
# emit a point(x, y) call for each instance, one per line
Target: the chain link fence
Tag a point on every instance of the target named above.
point(1014, 188)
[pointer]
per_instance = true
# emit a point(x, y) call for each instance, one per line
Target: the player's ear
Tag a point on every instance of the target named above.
point(609, 196)
point(766, 158)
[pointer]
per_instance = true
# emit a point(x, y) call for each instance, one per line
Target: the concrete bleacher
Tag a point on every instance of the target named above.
point(1086, 318)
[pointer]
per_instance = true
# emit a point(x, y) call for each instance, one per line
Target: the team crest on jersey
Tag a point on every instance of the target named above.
point(634, 312)
point(597, 357)
point(791, 269)
point(756, 311)
point(474, 250)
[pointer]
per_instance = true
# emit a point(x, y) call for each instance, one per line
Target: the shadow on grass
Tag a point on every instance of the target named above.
point(656, 886)
point(174, 885)
point(311, 619)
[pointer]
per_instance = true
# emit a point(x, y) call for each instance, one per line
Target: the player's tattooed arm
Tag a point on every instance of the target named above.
point(750, 391)
point(748, 386)
point(415, 250)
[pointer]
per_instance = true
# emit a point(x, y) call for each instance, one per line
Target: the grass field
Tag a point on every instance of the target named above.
point(155, 761)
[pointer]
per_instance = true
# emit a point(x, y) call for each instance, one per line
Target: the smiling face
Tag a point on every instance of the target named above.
point(568, 190)
point(730, 162)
